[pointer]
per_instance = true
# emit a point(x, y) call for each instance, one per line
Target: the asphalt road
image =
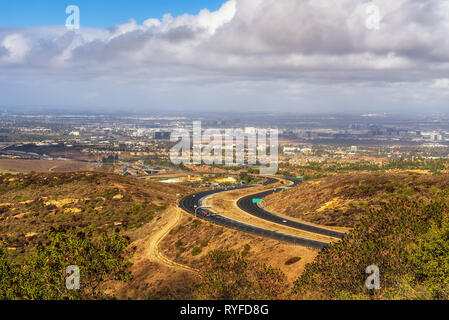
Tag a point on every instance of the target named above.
point(246, 204)
point(191, 202)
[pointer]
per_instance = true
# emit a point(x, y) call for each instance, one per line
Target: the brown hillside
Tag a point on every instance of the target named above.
point(341, 200)
point(95, 203)
point(44, 166)
point(191, 242)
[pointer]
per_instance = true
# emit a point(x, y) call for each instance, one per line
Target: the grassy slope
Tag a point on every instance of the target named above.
point(91, 202)
point(341, 200)
point(408, 239)
point(401, 225)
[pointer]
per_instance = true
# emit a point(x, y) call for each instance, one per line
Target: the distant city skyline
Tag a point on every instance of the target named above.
point(240, 55)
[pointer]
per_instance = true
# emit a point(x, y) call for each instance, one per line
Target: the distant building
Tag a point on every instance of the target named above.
point(160, 135)
point(291, 150)
point(250, 130)
point(306, 150)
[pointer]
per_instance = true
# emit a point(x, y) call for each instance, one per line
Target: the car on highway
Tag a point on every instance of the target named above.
point(205, 213)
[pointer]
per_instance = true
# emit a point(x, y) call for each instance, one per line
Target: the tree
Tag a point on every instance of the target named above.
point(430, 259)
point(8, 276)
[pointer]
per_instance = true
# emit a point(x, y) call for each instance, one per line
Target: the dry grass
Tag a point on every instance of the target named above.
point(342, 199)
point(94, 203)
point(42, 166)
point(193, 233)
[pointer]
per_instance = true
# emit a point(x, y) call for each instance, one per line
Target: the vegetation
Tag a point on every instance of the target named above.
point(110, 159)
point(407, 239)
point(345, 198)
point(432, 165)
point(400, 220)
point(248, 179)
point(228, 275)
point(93, 203)
point(196, 251)
point(42, 275)
point(89, 215)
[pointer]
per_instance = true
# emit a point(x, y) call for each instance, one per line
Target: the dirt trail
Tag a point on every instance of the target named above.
point(169, 221)
point(152, 271)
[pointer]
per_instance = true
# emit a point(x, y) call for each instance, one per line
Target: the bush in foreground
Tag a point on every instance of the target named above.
point(227, 275)
point(42, 275)
point(407, 239)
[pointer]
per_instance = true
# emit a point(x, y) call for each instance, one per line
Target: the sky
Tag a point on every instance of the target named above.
point(307, 56)
point(96, 13)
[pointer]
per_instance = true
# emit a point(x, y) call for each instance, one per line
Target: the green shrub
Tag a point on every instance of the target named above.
point(407, 239)
point(179, 243)
point(228, 275)
point(408, 192)
point(42, 275)
point(196, 251)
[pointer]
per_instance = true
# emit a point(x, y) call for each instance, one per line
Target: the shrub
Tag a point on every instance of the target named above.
point(228, 275)
point(407, 240)
point(196, 251)
point(246, 250)
point(42, 274)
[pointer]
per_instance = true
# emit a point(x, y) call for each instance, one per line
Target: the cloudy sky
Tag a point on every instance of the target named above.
point(253, 55)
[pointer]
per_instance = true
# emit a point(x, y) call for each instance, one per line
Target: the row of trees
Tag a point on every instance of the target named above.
point(433, 165)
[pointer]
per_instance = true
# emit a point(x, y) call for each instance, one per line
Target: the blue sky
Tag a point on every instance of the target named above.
point(95, 13)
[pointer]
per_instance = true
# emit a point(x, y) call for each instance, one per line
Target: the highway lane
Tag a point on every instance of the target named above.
point(246, 204)
point(192, 202)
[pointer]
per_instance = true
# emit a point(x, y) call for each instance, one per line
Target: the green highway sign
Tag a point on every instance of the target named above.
point(257, 200)
point(299, 177)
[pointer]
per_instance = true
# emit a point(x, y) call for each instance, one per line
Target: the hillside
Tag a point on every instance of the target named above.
point(44, 166)
point(399, 223)
point(94, 203)
point(407, 239)
point(54, 214)
point(342, 199)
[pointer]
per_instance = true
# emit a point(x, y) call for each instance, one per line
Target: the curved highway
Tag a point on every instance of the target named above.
point(192, 202)
point(246, 204)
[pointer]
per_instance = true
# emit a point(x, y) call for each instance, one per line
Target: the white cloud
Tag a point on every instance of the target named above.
point(440, 84)
point(261, 41)
point(17, 47)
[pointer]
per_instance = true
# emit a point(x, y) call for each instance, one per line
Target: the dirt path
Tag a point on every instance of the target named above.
point(153, 272)
point(169, 221)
